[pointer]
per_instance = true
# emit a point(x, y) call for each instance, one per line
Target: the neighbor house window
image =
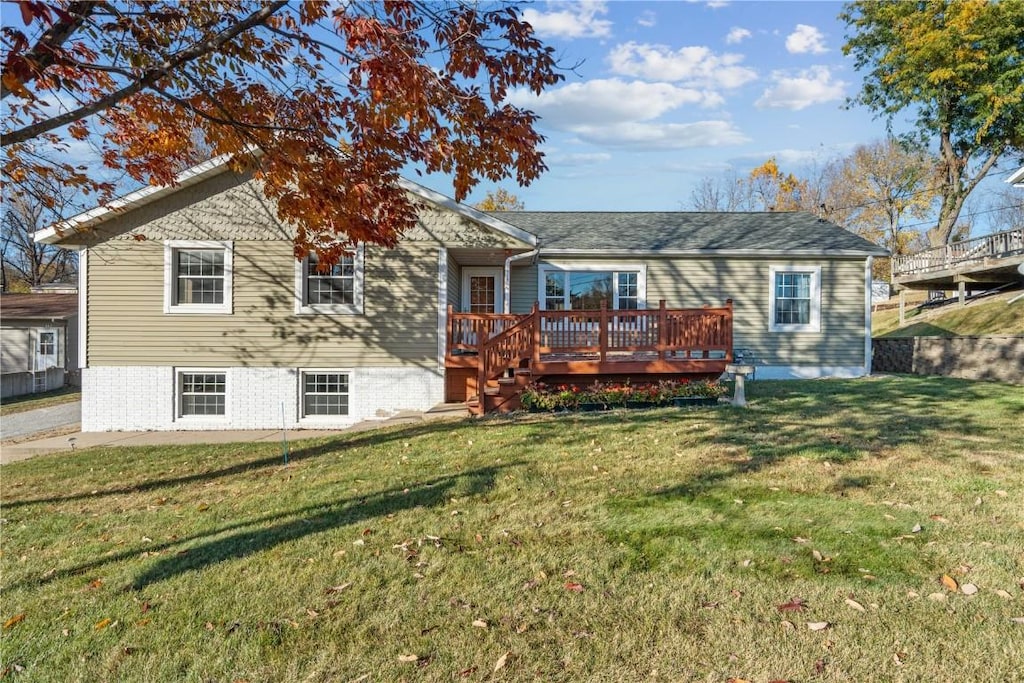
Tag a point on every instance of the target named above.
point(585, 289)
point(336, 288)
point(795, 299)
point(202, 393)
point(324, 393)
point(197, 277)
point(47, 343)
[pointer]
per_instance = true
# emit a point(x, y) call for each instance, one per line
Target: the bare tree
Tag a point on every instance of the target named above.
point(25, 263)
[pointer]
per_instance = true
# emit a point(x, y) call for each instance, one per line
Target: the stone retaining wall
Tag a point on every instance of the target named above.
point(989, 358)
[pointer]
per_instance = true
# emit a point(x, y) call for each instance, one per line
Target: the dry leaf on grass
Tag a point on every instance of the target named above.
point(102, 624)
point(408, 658)
point(502, 661)
point(479, 623)
point(16, 619)
point(337, 589)
point(794, 605)
point(574, 587)
point(854, 604)
point(950, 583)
point(1017, 620)
point(1003, 594)
point(968, 589)
point(818, 625)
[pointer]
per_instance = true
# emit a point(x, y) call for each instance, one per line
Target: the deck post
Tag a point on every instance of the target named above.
point(962, 292)
point(903, 306)
point(728, 332)
point(602, 333)
point(536, 332)
point(662, 322)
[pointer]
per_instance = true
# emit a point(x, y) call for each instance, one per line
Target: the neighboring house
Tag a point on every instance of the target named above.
point(197, 315)
point(38, 342)
point(1017, 178)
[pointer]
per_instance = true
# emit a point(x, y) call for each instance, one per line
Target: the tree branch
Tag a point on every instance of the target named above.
point(149, 77)
point(44, 53)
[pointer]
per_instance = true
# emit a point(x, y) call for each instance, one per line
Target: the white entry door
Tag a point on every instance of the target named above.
point(46, 350)
point(482, 290)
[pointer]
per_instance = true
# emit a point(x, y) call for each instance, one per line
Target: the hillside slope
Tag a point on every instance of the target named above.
point(991, 315)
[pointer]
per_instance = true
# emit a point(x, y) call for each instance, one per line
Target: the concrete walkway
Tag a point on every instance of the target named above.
point(73, 442)
point(40, 420)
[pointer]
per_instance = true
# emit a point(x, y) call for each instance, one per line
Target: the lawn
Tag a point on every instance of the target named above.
point(987, 316)
point(20, 404)
point(662, 545)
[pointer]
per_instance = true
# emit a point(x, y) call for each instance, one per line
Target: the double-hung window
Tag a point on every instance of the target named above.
point(197, 276)
point(795, 299)
point(325, 393)
point(337, 288)
point(584, 289)
point(202, 393)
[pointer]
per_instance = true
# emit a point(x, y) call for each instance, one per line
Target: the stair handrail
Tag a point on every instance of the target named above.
point(523, 332)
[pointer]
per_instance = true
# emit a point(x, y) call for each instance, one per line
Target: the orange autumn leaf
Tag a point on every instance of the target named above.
point(950, 583)
point(13, 621)
point(102, 624)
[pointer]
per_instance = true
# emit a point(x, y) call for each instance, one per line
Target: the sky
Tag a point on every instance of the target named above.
point(666, 93)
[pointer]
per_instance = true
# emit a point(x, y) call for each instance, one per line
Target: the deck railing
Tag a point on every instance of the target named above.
point(669, 333)
point(506, 349)
point(465, 330)
point(996, 245)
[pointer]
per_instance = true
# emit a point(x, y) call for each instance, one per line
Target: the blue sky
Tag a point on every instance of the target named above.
point(669, 92)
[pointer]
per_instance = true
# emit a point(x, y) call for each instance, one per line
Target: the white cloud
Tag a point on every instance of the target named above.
point(737, 35)
point(578, 159)
point(806, 39)
point(608, 101)
point(717, 4)
point(660, 136)
point(807, 87)
point(647, 18)
point(570, 19)
point(693, 65)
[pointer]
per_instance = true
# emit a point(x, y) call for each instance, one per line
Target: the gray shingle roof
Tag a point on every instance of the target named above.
point(772, 233)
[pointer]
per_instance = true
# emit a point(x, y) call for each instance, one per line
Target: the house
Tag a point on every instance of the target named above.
point(38, 342)
point(197, 315)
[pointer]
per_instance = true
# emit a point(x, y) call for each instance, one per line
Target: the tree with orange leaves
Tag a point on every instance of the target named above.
point(326, 103)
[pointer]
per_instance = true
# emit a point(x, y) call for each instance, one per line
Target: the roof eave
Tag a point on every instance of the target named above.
point(764, 253)
point(55, 234)
point(469, 212)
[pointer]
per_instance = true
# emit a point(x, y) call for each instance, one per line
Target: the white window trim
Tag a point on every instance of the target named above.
point(814, 325)
point(179, 417)
point(355, 308)
point(616, 268)
point(170, 278)
point(323, 419)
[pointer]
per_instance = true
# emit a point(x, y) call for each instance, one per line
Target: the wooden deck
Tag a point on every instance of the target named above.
point(990, 260)
point(490, 350)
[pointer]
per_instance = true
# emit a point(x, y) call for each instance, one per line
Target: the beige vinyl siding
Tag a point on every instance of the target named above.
point(687, 283)
point(16, 341)
point(454, 284)
point(523, 283)
point(127, 325)
point(694, 282)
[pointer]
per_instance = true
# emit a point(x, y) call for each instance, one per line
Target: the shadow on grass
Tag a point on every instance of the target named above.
point(369, 438)
point(242, 539)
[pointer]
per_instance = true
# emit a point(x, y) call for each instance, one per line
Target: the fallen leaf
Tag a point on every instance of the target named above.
point(950, 583)
point(465, 673)
point(15, 620)
point(916, 529)
point(574, 587)
point(800, 539)
point(937, 597)
point(338, 588)
point(1001, 493)
point(788, 624)
point(408, 658)
point(939, 518)
point(897, 658)
point(854, 604)
point(817, 555)
point(102, 624)
point(502, 661)
point(145, 607)
point(1003, 594)
point(479, 623)
point(818, 625)
point(1017, 620)
point(736, 680)
point(968, 589)
point(95, 583)
point(203, 507)
point(794, 605)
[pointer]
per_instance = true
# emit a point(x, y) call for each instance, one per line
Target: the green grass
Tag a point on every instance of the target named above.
point(994, 316)
point(685, 530)
point(19, 404)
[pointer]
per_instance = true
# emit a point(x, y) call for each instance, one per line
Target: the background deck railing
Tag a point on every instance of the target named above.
point(996, 245)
